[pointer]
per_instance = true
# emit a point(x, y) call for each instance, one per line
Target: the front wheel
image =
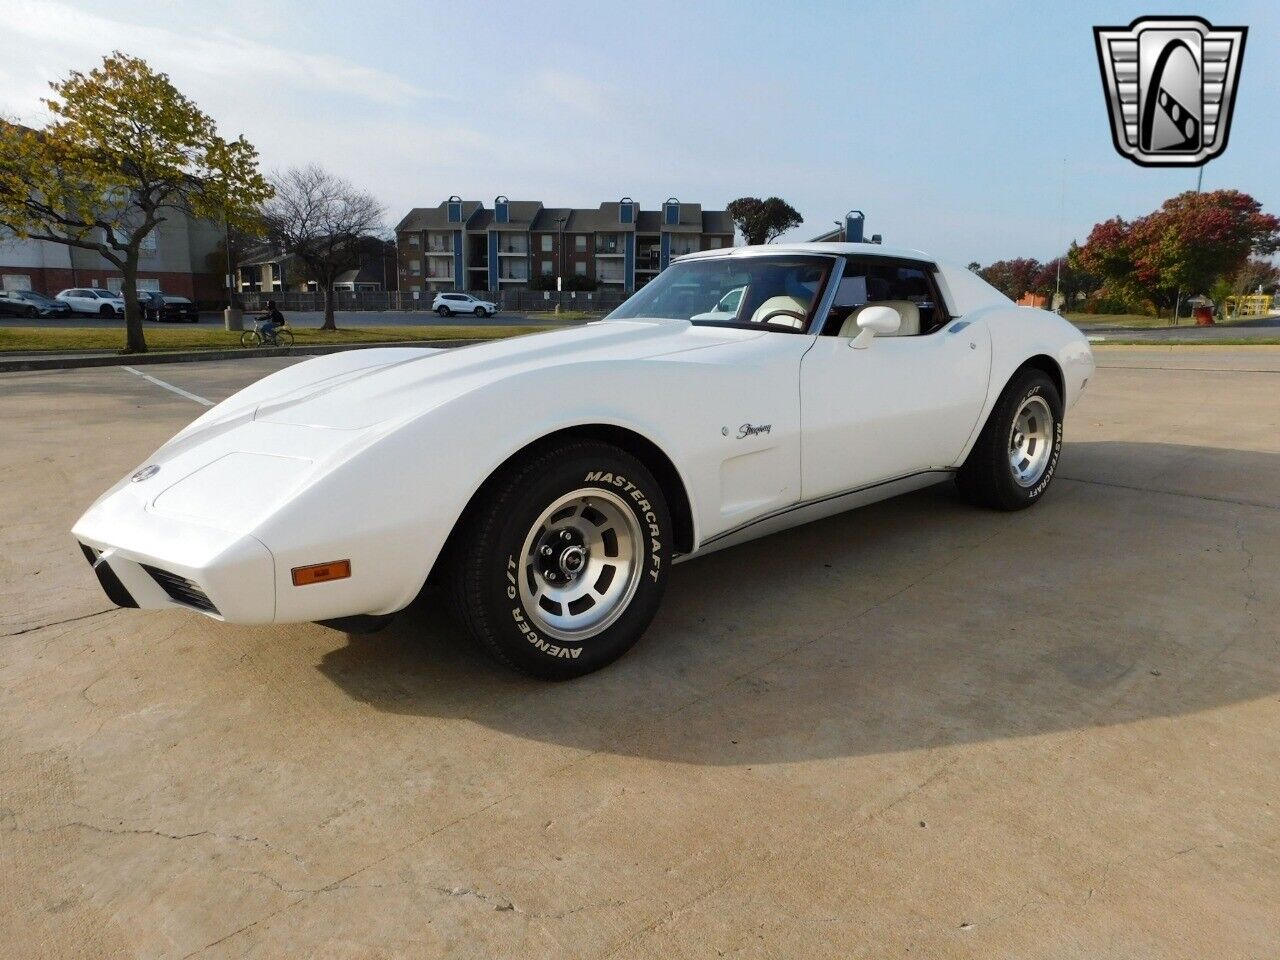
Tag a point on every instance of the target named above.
point(1013, 461)
point(560, 566)
point(251, 338)
point(107, 311)
point(481, 312)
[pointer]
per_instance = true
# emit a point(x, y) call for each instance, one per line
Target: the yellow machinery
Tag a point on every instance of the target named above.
point(1249, 305)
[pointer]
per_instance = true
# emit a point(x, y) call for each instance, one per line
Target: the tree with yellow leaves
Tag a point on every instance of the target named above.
point(125, 151)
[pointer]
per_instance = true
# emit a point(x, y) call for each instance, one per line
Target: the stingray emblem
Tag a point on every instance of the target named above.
point(1170, 84)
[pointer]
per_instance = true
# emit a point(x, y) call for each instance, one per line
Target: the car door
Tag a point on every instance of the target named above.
point(78, 300)
point(905, 403)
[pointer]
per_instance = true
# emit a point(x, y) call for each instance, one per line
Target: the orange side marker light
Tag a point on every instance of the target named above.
point(321, 572)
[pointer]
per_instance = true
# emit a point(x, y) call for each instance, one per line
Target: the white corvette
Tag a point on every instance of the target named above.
point(551, 480)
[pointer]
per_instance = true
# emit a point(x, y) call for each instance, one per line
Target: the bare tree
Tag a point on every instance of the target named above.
point(324, 222)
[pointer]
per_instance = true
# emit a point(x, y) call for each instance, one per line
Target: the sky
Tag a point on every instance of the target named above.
point(975, 131)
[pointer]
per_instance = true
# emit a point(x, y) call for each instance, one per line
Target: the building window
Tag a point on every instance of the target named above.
point(580, 268)
point(415, 267)
point(546, 243)
point(713, 243)
point(547, 268)
point(580, 243)
point(17, 281)
point(414, 240)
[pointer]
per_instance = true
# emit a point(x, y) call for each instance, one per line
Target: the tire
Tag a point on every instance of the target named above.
point(580, 505)
point(250, 338)
point(30, 313)
point(481, 312)
point(1016, 455)
point(284, 338)
point(444, 311)
point(107, 311)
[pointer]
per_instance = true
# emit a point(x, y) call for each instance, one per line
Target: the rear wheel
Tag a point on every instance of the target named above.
point(444, 311)
point(561, 565)
point(1014, 459)
point(285, 338)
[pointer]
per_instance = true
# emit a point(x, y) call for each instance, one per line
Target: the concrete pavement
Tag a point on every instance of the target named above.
point(917, 729)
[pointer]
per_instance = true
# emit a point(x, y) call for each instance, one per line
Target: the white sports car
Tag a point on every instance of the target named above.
point(551, 480)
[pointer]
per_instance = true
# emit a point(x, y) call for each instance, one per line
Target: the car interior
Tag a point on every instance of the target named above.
point(904, 288)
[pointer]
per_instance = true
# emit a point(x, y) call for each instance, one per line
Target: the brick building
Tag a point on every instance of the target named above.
point(179, 257)
point(464, 245)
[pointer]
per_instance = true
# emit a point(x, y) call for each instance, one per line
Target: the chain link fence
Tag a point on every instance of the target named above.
point(510, 300)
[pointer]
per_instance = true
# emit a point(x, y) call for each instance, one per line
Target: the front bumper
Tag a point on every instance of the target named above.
point(237, 585)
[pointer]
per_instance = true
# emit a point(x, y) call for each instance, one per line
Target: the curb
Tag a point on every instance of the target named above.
point(65, 362)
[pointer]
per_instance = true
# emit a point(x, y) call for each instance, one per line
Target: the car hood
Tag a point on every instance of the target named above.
point(410, 381)
point(404, 382)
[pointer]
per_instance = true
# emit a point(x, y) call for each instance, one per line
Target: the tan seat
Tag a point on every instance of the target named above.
point(781, 303)
point(908, 312)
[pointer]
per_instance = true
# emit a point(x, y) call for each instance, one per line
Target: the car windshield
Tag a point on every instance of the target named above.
point(779, 291)
point(32, 296)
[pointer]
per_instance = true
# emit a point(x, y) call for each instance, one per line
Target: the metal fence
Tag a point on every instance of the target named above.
point(511, 300)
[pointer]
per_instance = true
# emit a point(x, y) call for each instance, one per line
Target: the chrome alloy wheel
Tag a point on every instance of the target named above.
point(582, 564)
point(1031, 441)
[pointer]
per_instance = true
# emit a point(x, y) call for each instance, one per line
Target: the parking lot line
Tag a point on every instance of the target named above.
point(170, 387)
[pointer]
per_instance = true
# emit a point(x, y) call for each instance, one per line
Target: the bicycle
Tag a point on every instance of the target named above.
point(281, 337)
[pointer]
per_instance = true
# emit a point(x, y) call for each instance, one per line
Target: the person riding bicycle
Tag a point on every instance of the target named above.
point(272, 320)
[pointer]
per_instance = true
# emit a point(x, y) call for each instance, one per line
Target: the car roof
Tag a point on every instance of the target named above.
point(830, 249)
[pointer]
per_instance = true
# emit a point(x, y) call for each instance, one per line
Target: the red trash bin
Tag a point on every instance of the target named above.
point(1204, 316)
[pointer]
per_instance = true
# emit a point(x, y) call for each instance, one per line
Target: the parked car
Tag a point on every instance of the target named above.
point(725, 309)
point(106, 303)
point(28, 303)
point(548, 482)
point(167, 307)
point(447, 304)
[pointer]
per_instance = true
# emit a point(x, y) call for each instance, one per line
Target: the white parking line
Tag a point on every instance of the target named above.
point(170, 387)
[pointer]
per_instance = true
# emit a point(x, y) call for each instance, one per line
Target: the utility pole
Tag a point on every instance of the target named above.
point(1062, 216)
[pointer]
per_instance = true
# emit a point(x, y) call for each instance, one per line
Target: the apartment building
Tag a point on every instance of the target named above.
point(464, 245)
point(180, 256)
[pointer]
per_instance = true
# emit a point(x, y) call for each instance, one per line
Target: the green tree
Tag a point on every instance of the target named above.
point(1191, 242)
point(763, 221)
point(126, 151)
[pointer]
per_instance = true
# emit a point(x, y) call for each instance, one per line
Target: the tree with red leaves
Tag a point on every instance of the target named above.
point(1189, 243)
point(1014, 277)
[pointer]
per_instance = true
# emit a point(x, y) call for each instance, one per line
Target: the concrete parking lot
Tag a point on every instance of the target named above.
point(919, 729)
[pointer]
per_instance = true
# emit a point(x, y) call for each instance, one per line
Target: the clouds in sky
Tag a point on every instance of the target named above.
point(948, 126)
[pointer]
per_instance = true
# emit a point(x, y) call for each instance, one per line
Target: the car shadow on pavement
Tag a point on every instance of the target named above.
point(1135, 589)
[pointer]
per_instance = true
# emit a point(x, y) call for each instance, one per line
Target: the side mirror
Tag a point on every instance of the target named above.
point(873, 321)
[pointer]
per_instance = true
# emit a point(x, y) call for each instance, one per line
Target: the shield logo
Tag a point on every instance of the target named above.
point(1170, 84)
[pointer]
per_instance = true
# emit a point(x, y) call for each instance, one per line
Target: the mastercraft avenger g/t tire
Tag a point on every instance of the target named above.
point(1014, 459)
point(562, 565)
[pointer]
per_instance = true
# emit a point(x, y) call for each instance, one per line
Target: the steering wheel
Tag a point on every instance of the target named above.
point(783, 313)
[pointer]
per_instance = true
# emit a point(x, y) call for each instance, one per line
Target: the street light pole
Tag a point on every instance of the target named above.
point(560, 222)
point(226, 239)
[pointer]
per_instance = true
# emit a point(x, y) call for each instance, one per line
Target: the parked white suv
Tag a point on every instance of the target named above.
point(447, 304)
point(93, 300)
